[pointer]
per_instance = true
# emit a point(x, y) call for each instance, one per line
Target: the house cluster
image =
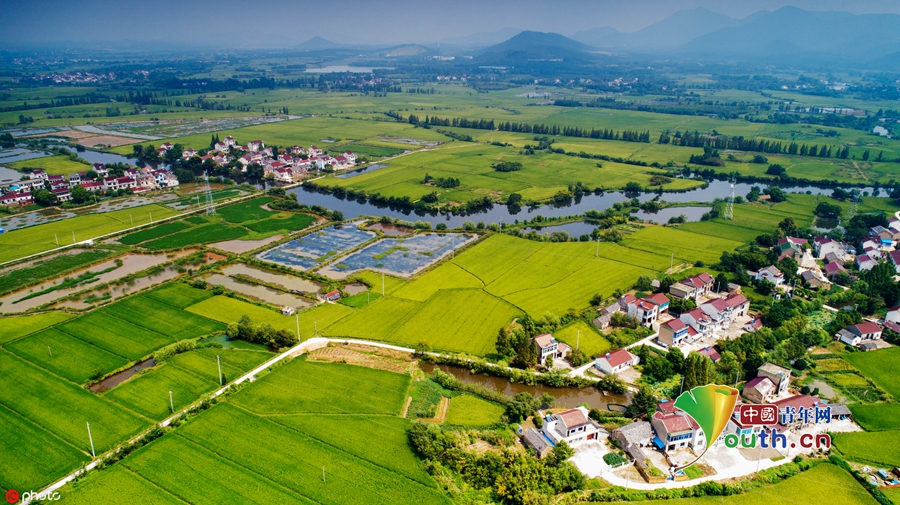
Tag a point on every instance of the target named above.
point(866, 335)
point(670, 429)
point(880, 245)
point(706, 320)
point(286, 167)
point(138, 179)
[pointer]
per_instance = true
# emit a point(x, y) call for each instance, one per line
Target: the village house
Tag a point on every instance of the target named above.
point(675, 333)
point(885, 236)
point(826, 245)
point(857, 333)
point(753, 325)
point(790, 247)
point(693, 287)
point(93, 186)
point(759, 389)
point(833, 270)
point(616, 361)
point(646, 310)
point(38, 174)
point(100, 169)
point(723, 311)
point(770, 273)
point(605, 315)
point(894, 256)
point(710, 353)
point(548, 346)
point(779, 375)
point(864, 262)
point(255, 145)
point(188, 153)
point(810, 277)
point(16, 199)
point(675, 431)
point(333, 296)
point(893, 314)
point(573, 425)
point(62, 194)
point(699, 321)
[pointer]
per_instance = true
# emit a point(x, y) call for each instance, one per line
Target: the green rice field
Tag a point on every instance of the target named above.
point(877, 417)
point(881, 367)
point(877, 448)
point(467, 410)
point(13, 327)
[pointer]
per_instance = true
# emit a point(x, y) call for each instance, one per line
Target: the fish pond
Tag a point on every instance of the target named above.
point(400, 257)
point(310, 250)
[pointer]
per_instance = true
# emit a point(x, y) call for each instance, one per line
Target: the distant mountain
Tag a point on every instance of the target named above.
point(790, 31)
point(318, 44)
point(673, 31)
point(405, 50)
point(533, 46)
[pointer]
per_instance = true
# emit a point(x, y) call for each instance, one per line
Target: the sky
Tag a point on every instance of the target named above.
point(282, 23)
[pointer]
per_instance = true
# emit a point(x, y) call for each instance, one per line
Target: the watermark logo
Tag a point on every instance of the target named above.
point(710, 406)
point(13, 496)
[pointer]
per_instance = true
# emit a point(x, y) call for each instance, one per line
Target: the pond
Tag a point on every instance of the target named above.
point(354, 288)
point(131, 264)
point(392, 230)
point(352, 208)
point(370, 168)
point(397, 256)
point(98, 157)
point(262, 293)
point(309, 250)
point(286, 281)
point(565, 397)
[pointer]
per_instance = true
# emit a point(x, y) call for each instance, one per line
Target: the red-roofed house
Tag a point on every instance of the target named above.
point(646, 310)
point(16, 199)
point(770, 273)
point(895, 259)
point(833, 270)
point(866, 331)
point(723, 311)
point(616, 361)
point(255, 145)
point(893, 314)
point(675, 431)
point(710, 353)
point(825, 245)
point(864, 262)
point(699, 321)
point(759, 389)
point(674, 333)
point(332, 296)
point(693, 287)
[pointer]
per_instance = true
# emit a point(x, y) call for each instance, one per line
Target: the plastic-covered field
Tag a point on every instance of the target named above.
point(309, 250)
point(401, 257)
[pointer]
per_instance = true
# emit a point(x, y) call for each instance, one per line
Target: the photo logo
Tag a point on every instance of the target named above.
point(12, 496)
point(710, 406)
point(759, 415)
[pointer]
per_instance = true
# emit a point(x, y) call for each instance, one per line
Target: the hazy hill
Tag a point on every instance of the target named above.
point(799, 32)
point(673, 31)
point(318, 44)
point(530, 45)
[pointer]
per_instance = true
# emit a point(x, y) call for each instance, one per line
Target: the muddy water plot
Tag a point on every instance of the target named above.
point(262, 293)
point(288, 282)
point(116, 379)
point(310, 250)
point(243, 246)
point(392, 230)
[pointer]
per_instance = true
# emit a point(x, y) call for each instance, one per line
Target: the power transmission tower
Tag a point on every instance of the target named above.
point(729, 205)
point(210, 206)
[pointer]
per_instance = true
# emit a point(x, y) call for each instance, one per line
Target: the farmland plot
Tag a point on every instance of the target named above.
point(115, 335)
point(176, 324)
point(117, 486)
point(40, 397)
point(66, 355)
point(178, 295)
point(32, 456)
point(148, 394)
point(13, 327)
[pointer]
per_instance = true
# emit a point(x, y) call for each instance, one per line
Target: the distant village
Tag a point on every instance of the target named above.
point(285, 168)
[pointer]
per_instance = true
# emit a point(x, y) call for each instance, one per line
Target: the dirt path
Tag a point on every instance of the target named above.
point(406, 406)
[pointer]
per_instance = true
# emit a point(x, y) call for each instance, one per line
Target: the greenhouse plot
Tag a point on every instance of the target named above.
point(309, 250)
point(398, 256)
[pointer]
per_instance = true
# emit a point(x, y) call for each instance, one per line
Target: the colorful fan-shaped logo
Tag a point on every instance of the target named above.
point(711, 406)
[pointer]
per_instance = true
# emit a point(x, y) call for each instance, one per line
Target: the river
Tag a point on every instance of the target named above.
point(716, 189)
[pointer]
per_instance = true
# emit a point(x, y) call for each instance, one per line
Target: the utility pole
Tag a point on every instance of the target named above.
point(171, 402)
point(316, 323)
point(91, 438)
point(219, 363)
point(597, 254)
point(672, 262)
point(73, 236)
point(298, 326)
point(323, 474)
point(132, 219)
point(578, 339)
point(151, 216)
point(57, 240)
point(49, 351)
